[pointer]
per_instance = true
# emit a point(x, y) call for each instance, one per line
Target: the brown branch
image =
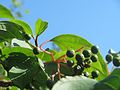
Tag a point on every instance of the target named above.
point(50, 53)
point(6, 84)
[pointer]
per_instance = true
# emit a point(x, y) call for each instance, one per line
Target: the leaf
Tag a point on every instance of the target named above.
point(20, 43)
point(40, 26)
point(9, 30)
point(24, 25)
point(112, 82)
point(5, 13)
point(75, 83)
point(70, 41)
point(23, 69)
point(7, 51)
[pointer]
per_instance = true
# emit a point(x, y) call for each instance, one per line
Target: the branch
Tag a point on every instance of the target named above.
point(6, 84)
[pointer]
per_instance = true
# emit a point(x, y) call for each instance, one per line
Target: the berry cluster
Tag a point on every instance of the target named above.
point(115, 58)
point(83, 61)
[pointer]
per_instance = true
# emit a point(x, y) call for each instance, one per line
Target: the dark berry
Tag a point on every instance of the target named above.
point(27, 37)
point(95, 74)
point(70, 63)
point(116, 61)
point(36, 51)
point(79, 58)
point(94, 58)
point(86, 74)
point(86, 53)
point(70, 53)
point(47, 49)
point(78, 70)
point(50, 84)
point(94, 49)
point(86, 65)
point(109, 58)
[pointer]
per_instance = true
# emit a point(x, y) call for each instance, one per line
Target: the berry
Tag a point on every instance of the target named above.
point(86, 74)
point(79, 57)
point(94, 49)
point(94, 74)
point(86, 53)
point(70, 63)
point(36, 51)
point(78, 70)
point(49, 84)
point(94, 58)
point(47, 49)
point(70, 53)
point(27, 37)
point(109, 58)
point(86, 65)
point(116, 61)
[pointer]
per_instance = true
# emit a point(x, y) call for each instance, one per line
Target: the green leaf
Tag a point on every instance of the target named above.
point(5, 13)
point(24, 25)
point(75, 83)
point(112, 82)
point(74, 42)
point(22, 70)
point(7, 51)
point(21, 43)
point(9, 30)
point(40, 26)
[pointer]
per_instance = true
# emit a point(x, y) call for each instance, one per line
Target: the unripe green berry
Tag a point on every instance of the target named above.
point(70, 63)
point(116, 61)
point(94, 49)
point(94, 58)
point(95, 74)
point(109, 58)
point(50, 84)
point(36, 51)
point(86, 53)
point(70, 53)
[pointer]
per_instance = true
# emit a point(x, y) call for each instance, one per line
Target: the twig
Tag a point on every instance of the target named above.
point(50, 53)
point(6, 84)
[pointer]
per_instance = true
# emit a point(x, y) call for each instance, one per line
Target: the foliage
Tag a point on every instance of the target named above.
point(78, 65)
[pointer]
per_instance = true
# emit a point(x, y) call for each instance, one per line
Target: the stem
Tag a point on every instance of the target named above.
point(36, 41)
point(6, 84)
point(50, 53)
point(59, 71)
point(79, 49)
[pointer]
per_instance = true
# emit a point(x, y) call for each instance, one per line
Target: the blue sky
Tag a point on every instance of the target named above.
point(96, 20)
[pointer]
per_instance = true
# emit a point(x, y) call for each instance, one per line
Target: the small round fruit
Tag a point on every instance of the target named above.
point(116, 61)
point(78, 70)
point(70, 63)
point(94, 49)
point(94, 58)
point(109, 58)
point(49, 84)
point(36, 51)
point(86, 74)
point(79, 58)
point(95, 74)
point(27, 37)
point(70, 53)
point(86, 53)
